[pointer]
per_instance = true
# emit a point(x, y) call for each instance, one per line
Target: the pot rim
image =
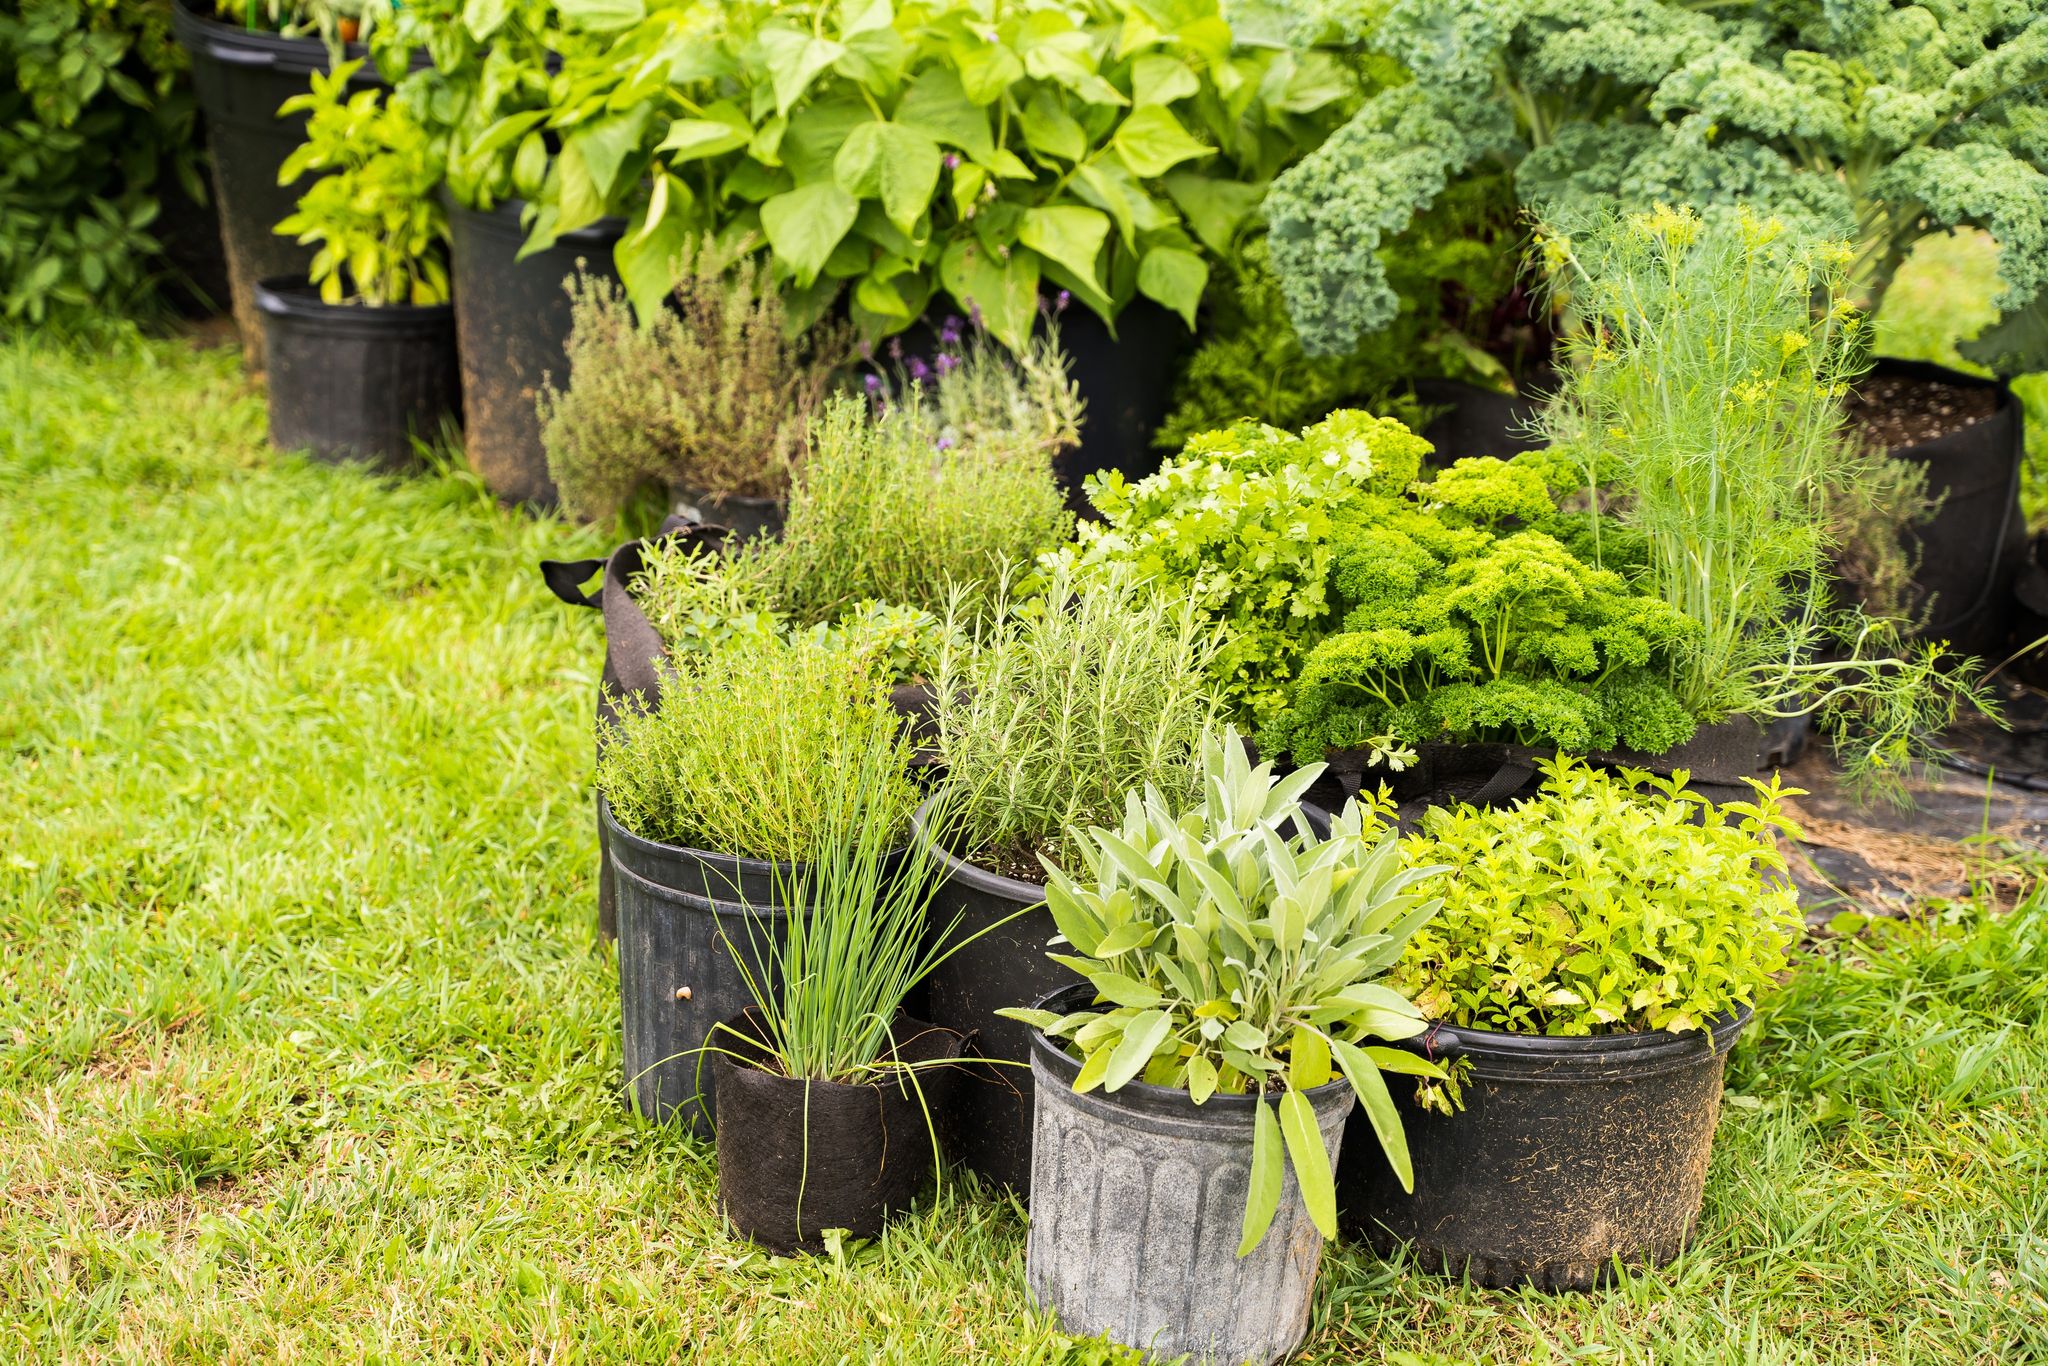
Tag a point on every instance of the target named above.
point(288, 296)
point(914, 1030)
point(1143, 1097)
point(740, 862)
point(1588, 1057)
point(509, 213)
point(973, 874)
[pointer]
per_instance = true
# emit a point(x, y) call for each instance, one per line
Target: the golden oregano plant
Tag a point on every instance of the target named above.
point(1237, 954)
point(1606, 903)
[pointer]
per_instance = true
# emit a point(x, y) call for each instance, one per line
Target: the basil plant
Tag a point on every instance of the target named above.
point(1239, 955)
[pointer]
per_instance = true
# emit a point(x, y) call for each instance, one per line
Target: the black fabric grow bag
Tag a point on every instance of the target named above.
point(679, 927)
point(513, 319)
point(1126, 383)
point(1972, 552)
point(241, 77)
point(1569, 1153)
point(1473, 421)
point(796, 1158)
point(349, 382)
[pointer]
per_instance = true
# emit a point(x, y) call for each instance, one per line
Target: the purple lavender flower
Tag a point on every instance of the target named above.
point(866, 349)
point(896, 348)
point(873, 383)
point(945, 443)
point(949, 330)
point(974, 312)
point(919, 371)
point(945, 363)
point(1060, 302)
point(952, 161)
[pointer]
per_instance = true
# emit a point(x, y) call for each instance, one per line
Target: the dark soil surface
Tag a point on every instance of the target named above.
point(1897, 410)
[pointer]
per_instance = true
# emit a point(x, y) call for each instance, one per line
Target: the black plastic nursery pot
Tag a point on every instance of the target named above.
point(987, 1125)
point(352, 382)
point(1570, 1155)
point(682, 916)
point(1472, 421)
point(1137, 1203)
point(1126, 384)
point(797, 1157)
point(1972, 552)
point(241, 77)
point(512, 318)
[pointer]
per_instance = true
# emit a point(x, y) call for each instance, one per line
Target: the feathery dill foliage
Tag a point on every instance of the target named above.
point(1071, 701)
point(1709, 371)
point(759, 750)
point(903, 501)
point(1707, 384)
point(711, 394)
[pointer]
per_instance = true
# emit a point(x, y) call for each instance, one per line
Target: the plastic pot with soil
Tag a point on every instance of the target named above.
point(1137, 1210)
point(682, 915)
point(512, 318)
point(1969, 435)
point(988, 1122)
point(356, 382)
point(1569, 1156)
point(797, 1156)
point(241, 76)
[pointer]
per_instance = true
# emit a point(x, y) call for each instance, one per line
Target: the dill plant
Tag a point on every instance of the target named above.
point(1067, 703)
point(1709, 369)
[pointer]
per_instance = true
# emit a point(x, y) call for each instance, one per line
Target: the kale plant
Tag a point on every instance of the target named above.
point(1878, 121)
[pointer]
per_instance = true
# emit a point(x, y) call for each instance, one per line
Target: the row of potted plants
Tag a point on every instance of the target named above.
point(1086, 948)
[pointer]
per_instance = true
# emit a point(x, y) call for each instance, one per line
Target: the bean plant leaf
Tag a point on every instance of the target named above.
point(1174, 277)
point(986, 70)
point(601, 16)
point(1068, 234)
point(1004, 292)
point(794, 60)
point(646, 255)
point(689, 139)
point(892, 162)
point(804, 225)
point(1142, 1037)
point(1157, 78)
point(1215, 208)
point(937, 102)
point(1371, 1087)
point(1311, 1161)
point(1262, 1199)
point(1152, 142)
point(484, 17)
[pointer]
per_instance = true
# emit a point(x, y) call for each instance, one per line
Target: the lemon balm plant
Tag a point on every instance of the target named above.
point(1233, 968)
point(1597, 955)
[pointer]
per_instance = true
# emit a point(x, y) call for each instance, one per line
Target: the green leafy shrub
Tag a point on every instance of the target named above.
point(1067, 703)
point(1603, 904)
point(941, 491)
point(1238, 956)
point(755, 749)
point(375, 211)
point(711, 395)
point(96, 119)
point(1706, 391)
point(1881, 121)
point(1106, 147)
point(1245, 520)
point(1360, 606)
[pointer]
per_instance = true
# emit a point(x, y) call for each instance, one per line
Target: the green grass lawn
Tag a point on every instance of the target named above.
point(311, 1051)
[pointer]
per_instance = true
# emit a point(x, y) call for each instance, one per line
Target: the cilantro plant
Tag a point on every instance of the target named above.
point(1878, 121)
point(374, 212)
point(1237, 956)
point(1606, 903)
point(1105, 147)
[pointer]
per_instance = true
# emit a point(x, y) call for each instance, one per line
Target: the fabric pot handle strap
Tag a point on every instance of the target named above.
point(565, 579)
